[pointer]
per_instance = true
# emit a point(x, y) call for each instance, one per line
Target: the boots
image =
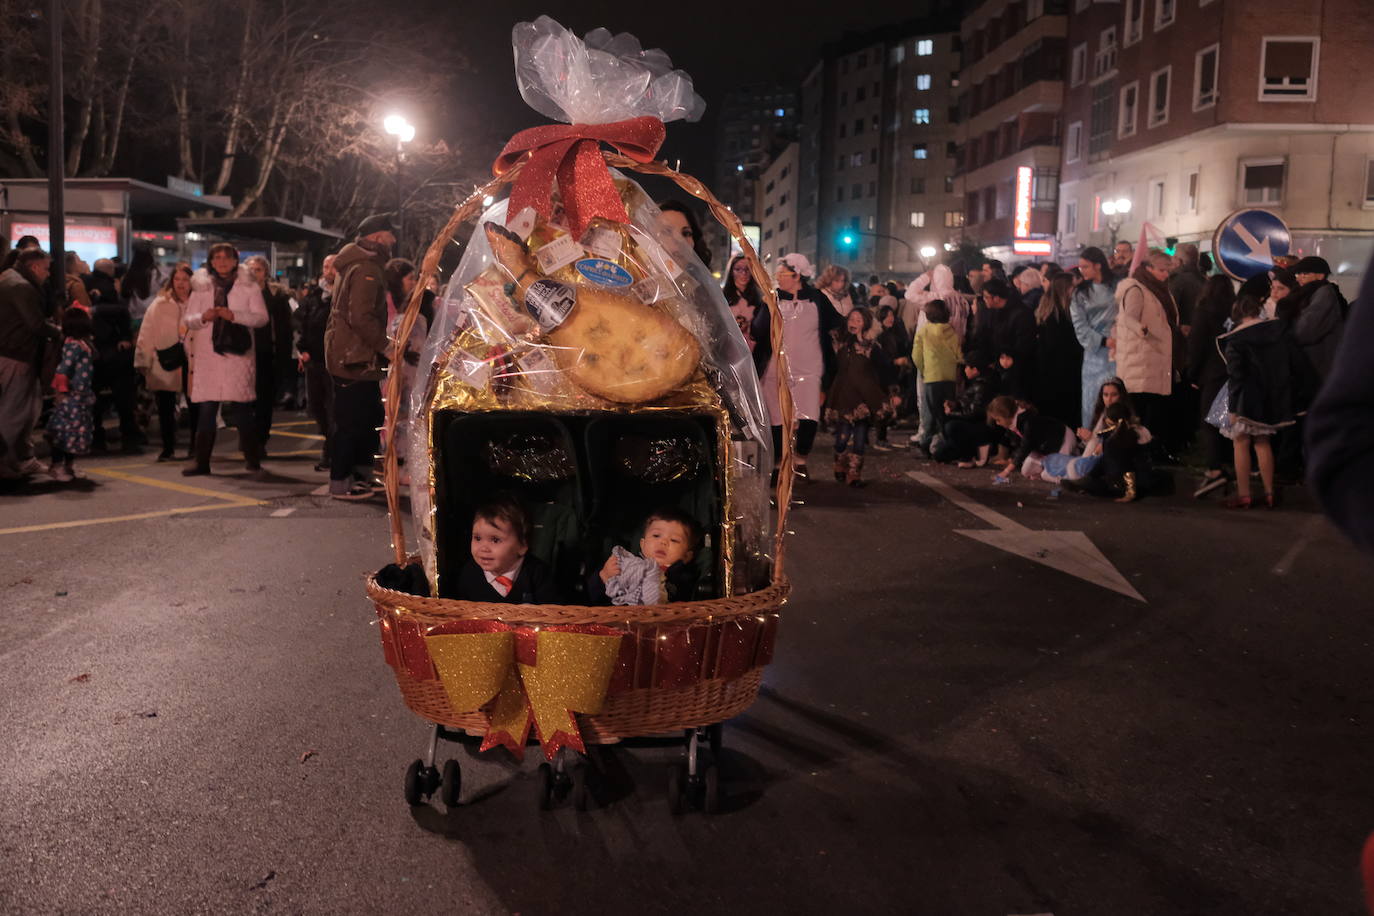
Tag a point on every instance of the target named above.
point(201, 448)
point(854, 472)
point(841, 465)
point(250, 443)
point(1128, 483)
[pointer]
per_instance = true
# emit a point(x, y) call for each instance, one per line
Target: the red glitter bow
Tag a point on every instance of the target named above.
point(571, 153)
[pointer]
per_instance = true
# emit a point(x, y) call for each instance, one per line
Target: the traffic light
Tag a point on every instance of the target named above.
point(848, 239)
point(1170, 245)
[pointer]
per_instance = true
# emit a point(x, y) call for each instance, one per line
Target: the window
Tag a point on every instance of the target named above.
point(872, 223)
point(875, 122)
point(1104, 61)
point(1159, 97)
point(920, 116)
point(1044, 189)
point(951, 149)
point(840, 166)
point(1103, 123)
point(918, 219)
point(918, 186)
point(1135, 19)
point(1080, 5)
point(1288, 70)
point(1070, 217)
point(861, 61)
point(844, 99)
point(1078, 68)
point(860, 94)
point(873, 189)
point(779, 112)
point(1369, 183)
point(1261, 181)
point(1164, 13)
point(844, 130)
point(767, 235)
point(1034, 9)
point(768, 188)
point(925, 47)
point(856, 191)
point(857, 160)
point(1125, 122)
point(782, 226)
point(873, 156)
point(923, 81)
point(839, 195)
point(1154, 200)
point(783, 199)
point(898, 55)
point(954, 219)
point(949, 184)
point(1205, 78)
point(1190, 188)
point(858, 126)
point(785, 170)
point(920, 151)
point(1073, 144)
point(768, 211)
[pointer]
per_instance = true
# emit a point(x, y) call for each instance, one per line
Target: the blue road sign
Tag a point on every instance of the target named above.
point(1247, 241)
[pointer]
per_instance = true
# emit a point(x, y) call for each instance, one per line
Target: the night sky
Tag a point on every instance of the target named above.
point(718, 44)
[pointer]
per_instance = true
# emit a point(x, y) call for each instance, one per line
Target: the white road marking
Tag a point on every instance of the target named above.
point(282, 513)
point(1070, 552)
point(1285, 564)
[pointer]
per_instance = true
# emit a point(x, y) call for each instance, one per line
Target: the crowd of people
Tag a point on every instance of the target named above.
point(1092, 377)
point(222, 345)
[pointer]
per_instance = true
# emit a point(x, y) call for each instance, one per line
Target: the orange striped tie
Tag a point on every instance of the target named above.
point(505, 583)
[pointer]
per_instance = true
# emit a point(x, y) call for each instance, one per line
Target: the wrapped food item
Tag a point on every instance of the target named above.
point(572, 304)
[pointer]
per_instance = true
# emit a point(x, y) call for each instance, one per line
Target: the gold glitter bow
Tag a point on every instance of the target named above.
point(538, 676)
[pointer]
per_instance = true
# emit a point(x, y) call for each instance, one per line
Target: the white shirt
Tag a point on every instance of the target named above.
point(512, 574)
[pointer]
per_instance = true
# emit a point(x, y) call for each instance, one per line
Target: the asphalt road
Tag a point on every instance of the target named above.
point(197, 718)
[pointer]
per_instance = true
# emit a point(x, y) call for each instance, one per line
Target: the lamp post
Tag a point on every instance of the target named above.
point(404, 132)
point(1115, 211)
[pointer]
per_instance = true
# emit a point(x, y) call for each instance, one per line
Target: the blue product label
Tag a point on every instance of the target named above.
point(603, 272)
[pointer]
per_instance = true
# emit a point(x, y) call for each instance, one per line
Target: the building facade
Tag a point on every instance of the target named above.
point(1014, 54)
point(756, 123)
point(777, 200)
point(1192, 109)
point(877, 142)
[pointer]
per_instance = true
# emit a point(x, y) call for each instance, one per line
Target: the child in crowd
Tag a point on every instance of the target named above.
point(966, 436)
point(936, 354)
point(1119, 464)
point(1260, 361)
point(1075, 467)
point(864, 388)
point(1033, 436)
point(72, 425)
point(663, 570)
point(502, 570)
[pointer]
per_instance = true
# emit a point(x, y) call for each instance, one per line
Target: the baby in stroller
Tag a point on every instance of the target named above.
point(663, 570)
point(501, 568)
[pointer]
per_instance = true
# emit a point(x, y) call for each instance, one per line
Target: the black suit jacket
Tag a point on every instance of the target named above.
point(534, 584)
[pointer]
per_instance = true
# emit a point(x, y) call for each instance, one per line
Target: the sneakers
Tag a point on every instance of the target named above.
point(195, 470)
point(882, 446)
point(352, 490)
point(32, 466)
point(61, 473)
point(1208, 484)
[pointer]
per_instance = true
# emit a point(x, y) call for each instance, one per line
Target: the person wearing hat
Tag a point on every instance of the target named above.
point(355, 344)
point(808, 322)
point(1316, 313)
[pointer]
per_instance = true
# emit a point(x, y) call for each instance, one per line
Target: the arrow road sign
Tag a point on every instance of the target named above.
point(1247, 241)
point(1067, 551)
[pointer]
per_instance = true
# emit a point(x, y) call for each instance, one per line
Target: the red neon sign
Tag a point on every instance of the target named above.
point(1021, 227)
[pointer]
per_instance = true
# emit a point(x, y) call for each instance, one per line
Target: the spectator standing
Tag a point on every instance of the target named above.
point(1123, 253)
point(71, 422)
point(1207, 372)
point(116, 381)
point(271, 348)
point(1057, 386)
point(1316, 313)
point(936, 354)
point(1027, 282)
point(1093, 309)
point(1144, 340)
point(681, 221)
point(834, 282)
point(355, 352)
point(895, 343)
point(1282, 285)
point(100, 282)
point(163, 328)
point(1009, 332)
point(224, 306)
point(76, 289)
point(24, 329)
point(808, 322)
point(25, 243)
point(1185, 284)
point(311, 320)
point(863, 390)
point(744, 297)
point(141, 282)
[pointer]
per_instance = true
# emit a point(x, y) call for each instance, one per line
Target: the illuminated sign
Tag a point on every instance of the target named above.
point(90, 242)
point(1042, 247)
point(1021, 227)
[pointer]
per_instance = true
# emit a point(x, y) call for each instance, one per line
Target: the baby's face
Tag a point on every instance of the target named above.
point(495, 548)
point(665, 542)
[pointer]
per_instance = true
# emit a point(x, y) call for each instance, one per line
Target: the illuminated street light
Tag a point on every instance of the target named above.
point(397, 126)
point(927, 251)
point(400, 128)
point(1115, 211)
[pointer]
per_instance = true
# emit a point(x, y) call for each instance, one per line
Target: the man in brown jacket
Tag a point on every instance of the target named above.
point(24, 327)
point(354, 347)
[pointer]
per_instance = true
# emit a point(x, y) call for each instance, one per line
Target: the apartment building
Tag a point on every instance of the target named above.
point(1192, 109)
point(777, 200)
point(756, 122)
point(1011, 93)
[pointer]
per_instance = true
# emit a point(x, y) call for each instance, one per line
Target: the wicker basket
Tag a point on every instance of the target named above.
point(648, 702)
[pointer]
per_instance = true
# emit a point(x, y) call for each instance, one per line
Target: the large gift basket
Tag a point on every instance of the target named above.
point(582, 358)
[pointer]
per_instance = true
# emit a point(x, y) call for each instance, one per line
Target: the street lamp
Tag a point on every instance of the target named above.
point(927, 251)
point(404, 132)
point(1115, 211)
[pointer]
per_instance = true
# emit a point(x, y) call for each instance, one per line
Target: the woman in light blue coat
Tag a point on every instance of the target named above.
point(1093, 310)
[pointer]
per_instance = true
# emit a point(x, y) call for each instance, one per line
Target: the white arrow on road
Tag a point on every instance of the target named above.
point(1067, 551)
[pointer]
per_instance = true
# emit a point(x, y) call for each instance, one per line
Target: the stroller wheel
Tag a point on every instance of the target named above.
point(711, 796)
point(415, 783)
point(546, 787)
point(581, 791)
point(677, 790)
point(452, 783)
point(714, 734)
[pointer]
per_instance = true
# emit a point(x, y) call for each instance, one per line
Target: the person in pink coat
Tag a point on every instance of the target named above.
point(225, 304)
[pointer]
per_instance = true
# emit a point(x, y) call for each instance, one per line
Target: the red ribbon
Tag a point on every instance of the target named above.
point(572, 154)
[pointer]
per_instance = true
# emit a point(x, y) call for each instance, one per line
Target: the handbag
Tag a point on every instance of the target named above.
point(172, 358)
point(230, 339)
point(1219, 414)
